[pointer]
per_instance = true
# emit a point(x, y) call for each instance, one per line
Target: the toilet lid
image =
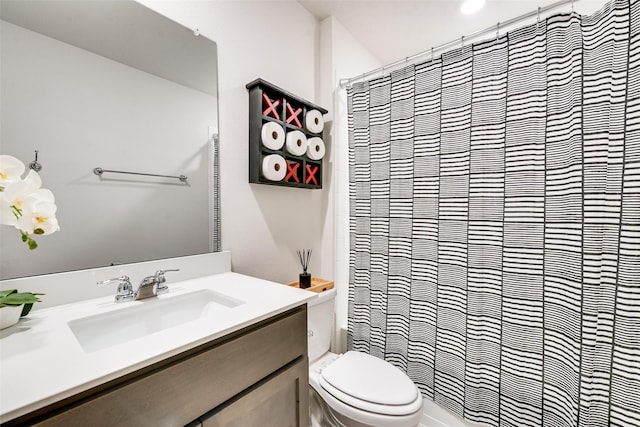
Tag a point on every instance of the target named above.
point(370, 379)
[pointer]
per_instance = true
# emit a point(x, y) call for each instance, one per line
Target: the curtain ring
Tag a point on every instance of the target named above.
point(497, 30)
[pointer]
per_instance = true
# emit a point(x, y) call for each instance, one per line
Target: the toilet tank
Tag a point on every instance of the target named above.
point(320, 322)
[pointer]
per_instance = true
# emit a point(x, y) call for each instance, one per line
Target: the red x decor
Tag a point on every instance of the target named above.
point(292, 171)
point(311, 174)
point(293, 115)
point(271, 106)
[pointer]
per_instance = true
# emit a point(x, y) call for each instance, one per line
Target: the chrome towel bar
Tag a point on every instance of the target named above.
point(100, 171)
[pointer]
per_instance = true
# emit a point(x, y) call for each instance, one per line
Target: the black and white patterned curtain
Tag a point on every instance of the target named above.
point(494, 226)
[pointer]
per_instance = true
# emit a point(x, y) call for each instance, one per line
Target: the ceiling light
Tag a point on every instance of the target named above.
point(471, 6)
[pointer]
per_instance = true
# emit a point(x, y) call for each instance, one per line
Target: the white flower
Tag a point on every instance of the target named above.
point(11, 169)
point(23, 204)
point(14, 195)
point(39, 213)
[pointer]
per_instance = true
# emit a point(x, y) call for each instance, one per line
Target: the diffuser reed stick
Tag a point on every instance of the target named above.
point(304, 256)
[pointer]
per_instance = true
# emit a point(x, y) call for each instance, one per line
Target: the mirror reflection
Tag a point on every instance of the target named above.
point(111, 85)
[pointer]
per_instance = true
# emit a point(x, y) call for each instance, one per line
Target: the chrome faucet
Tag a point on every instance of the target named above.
point(150, 286)
point(125, 290)
point(154, 285)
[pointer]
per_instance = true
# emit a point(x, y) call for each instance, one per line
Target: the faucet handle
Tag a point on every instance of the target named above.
point(162, 288)
point(125, 289)
point(114, 280)
point(160, 273)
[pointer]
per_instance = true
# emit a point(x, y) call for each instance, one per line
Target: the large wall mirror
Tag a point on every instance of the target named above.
point(112, 85)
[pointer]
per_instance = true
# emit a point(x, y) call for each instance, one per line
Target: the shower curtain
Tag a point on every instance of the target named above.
point(494, 223)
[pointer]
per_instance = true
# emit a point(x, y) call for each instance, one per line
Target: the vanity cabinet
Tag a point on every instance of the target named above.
point(257, 376)
point(272, 403)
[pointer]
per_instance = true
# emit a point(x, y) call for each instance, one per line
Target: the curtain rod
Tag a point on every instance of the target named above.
point(443, 46)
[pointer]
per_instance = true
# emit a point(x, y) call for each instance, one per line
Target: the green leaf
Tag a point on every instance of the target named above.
point(13, 298)
point(7, 292)
point(32, 244)
point(19, 298)
point(26, 309)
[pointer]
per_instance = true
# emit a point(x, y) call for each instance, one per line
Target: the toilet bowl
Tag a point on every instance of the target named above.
point(354, 389)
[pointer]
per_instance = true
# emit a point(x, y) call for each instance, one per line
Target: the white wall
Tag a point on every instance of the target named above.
point(82, 111)
point(342, 56)
point(282, 43)
point(262, 225)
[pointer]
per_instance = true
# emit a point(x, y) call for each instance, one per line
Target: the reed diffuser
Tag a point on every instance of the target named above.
point(304, 257)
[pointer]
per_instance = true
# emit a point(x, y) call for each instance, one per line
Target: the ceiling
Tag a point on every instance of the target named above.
point(395, 29)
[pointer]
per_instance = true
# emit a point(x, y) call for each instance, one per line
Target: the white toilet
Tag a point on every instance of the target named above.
point(354, 389)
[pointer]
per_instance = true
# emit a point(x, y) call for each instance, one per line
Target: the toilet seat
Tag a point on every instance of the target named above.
point(370, 384)
point(369, 418)
point(343, 409)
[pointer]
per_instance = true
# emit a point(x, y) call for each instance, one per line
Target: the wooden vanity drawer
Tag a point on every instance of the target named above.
point(179, 390)
point(274, 402)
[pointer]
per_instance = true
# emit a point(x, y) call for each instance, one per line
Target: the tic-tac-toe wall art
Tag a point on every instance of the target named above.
point(286, 146)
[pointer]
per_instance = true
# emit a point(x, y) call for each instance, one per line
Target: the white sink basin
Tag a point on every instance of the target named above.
point(141, 318)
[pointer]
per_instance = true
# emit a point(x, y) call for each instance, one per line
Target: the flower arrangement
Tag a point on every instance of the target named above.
point(23, 204)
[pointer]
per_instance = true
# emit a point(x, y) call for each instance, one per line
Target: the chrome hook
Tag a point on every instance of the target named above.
point(497, 30)
point(432, 55)
point(538, 22)
point(35, 165)
point(462, 44)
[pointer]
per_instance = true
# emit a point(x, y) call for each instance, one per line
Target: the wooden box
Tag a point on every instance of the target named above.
point(271, 104)
point(317, 284)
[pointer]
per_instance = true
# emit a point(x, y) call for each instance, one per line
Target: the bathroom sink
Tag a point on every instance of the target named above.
point(141, 318)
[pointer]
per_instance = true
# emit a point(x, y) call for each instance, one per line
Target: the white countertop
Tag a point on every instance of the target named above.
point(41, 360)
